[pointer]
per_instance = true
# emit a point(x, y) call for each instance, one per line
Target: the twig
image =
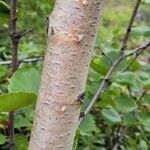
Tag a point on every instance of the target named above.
point(15, 37)
point(114, 65)
point(23, 33)
point(18, 36)
point(25, 60)
point(103, 52)
point(130, 24)
point(14, 63)
point(100, 89)
point(137, 52)
point(119, 138)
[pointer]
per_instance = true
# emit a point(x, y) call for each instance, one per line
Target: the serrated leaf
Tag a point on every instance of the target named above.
point(125, 104)
point(13, 101)
point(98, 65)
point(25, 80)
point(111, 115)
point(105, 100)
point(128, 78)
point(130, 120)
point(88, 125)
point(21, 121)
point(115, 88)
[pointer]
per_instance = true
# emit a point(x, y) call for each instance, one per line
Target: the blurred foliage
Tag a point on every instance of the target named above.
point(123, 109)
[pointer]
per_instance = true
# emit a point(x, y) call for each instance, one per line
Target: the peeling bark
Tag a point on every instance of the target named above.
point(71, 35)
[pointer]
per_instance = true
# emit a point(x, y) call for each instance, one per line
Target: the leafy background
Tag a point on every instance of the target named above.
point(122, 110)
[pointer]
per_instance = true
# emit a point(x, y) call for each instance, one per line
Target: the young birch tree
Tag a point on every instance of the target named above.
point(71, 34)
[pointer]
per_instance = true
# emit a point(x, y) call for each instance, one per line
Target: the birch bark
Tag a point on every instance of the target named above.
point(72, 29)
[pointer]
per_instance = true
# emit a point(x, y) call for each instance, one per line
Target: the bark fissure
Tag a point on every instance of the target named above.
point(71, 35)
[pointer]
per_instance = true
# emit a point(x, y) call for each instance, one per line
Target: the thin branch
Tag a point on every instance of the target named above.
point(130, 24)
point(25, 60)
point(137, 52)
point(119, 138)
point(5, 62)
point(101, 87)
point(114, 65)
point(15, 37)
point(23, 33)
point(14, 64)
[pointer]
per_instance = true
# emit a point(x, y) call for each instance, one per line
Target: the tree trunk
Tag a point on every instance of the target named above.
point(71, 35)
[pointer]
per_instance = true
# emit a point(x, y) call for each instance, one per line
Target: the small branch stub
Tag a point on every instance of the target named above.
point(81, 97)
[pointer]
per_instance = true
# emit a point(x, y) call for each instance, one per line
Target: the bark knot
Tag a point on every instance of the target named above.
point(64, 108)
point(71, 36)
point(84, 2)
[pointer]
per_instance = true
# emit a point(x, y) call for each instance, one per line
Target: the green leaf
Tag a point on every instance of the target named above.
point(146, 84)
point(130, 120)
point(93, 76)
point(125, 104)
point(98, 65)
point(111, 115)
point(14, 101)
point(143, 30)
point(88, 125)
point(3, 120)
point(3, 139)
point(21, 142)
point(115, 88)
point(116, 31)
point(142, 145)
point(28, 112)
point(144, 117)
point(146, 99)
point(21, 121)
point(3, 116)
point(135, 65)
point(3, 71)
point(4, 8)
point(105, 100)
point(144, 75)
point(25, 80)
point(147, 1)
point(127, 78)
point(76, 139)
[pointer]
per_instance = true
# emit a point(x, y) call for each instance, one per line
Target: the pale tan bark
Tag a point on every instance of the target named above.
point(72, 28)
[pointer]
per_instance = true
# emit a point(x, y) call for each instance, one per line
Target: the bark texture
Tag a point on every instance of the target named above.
point(71, 35)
